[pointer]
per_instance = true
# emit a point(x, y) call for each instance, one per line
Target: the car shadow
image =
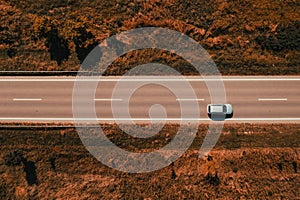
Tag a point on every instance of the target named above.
point(220, 117)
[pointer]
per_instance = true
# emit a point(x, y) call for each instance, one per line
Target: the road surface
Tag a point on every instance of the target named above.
point(267, 99)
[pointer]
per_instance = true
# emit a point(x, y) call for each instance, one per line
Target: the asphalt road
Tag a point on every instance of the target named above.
point(270, 99)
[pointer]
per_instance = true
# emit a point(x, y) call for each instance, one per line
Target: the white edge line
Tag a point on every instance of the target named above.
point(103, 119)
point(20, 99)
point(148, 119)
point(146, 80)
point(276, 99)
point(40, 71)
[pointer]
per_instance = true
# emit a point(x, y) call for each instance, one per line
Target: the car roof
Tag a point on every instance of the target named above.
point(217, 108)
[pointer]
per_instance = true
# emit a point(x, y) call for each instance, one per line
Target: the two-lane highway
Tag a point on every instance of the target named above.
point(267, 99)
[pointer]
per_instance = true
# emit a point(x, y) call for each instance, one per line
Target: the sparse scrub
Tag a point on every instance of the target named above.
point(244, 37)
point(250, 170)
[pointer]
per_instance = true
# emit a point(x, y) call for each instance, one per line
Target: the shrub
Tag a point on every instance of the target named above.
point(3, 189)
point(14, 158)
point(58, 47)
point(235, 169)
point(285, 37)
point(77, 31)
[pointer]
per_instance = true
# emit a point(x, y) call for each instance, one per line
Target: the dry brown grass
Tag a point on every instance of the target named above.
point(256, 161)
point(245, 37)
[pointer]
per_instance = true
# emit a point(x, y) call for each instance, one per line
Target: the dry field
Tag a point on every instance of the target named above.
point(249, 37)
point(253, 161)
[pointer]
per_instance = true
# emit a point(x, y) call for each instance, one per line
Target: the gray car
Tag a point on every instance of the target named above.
point(219, 112)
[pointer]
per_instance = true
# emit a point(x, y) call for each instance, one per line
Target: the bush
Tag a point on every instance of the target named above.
point(285, 37)
point(3, 189)
point(212, 180)
point(58, 47)
point(14, 158)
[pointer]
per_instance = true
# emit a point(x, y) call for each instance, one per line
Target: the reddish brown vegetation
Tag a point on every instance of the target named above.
point(252, 162)
point(243, 37)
